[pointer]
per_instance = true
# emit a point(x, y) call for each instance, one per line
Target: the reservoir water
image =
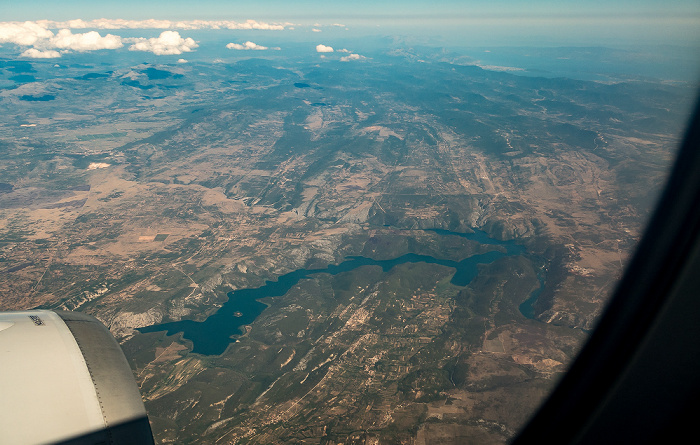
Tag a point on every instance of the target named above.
point(213, 335)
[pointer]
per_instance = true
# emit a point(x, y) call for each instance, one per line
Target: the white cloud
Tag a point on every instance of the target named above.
point(338, 24)
point(37, 54)
point(342, 50)
point(76, 24)
point(89, 41)
point(246, 46)
point(159, 24)
point(324, 49)
point(40, 41)
point(45, 42)
point(181, 61)
point(316, 30)
point(25, 34)
point(168, 43)
point(252, 24)
point(352, 57)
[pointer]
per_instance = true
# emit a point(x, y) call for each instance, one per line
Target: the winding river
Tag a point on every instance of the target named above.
point(213, 335)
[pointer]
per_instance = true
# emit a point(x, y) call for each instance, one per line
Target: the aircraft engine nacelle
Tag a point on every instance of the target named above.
point(64, 379)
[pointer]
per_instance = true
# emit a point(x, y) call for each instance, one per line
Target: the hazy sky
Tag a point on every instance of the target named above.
point(335, 9)
point(503, 22)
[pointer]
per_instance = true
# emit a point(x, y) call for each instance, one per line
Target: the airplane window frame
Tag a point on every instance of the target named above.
point(635, 379)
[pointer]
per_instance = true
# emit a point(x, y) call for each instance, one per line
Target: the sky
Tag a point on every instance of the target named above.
point(337, 9)
point(48, 29)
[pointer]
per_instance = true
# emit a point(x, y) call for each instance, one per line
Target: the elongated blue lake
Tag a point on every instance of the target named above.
point(213, 335)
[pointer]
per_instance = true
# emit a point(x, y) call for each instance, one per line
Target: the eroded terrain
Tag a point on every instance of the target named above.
point(143, 194)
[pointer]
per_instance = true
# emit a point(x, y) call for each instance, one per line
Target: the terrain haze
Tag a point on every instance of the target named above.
point(335, 223)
